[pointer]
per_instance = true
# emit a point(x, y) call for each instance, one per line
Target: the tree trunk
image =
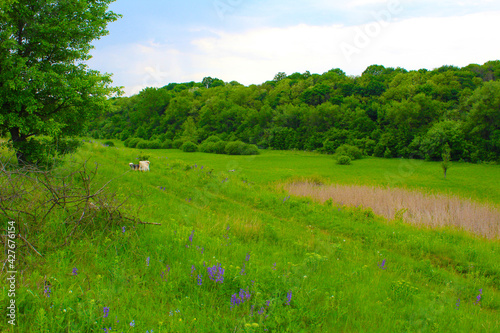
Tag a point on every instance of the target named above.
point(17, 140)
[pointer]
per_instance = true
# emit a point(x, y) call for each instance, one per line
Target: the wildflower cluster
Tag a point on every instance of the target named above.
point(200, 281)
point(106, 311)
point(288, 297)
point(237, 299)
point(47, 290)
point(262, 309)
point(216, 273)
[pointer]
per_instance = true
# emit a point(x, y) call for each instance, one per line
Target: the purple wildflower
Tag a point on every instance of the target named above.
point(235, 300)
point(239, 298)
point(243, 270)
point(458, 303)
point(123, 229)
point(147, 261)
point(106, 311)
point(289, 297)
point(132, 324)
point(247, 258)
point(274, 266)
point(216, 273)
point(382, 264)
point(478, 298)
point(192, 233)
point(192, 269)
point(200, 281)
point(165, 273)
point(261, 311)
point(75, 271)
point(47, 290)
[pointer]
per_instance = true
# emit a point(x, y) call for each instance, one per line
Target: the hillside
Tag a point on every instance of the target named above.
point(385, 112)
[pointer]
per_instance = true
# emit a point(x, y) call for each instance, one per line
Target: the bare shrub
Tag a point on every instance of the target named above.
point(52, 208)
point(434, 210)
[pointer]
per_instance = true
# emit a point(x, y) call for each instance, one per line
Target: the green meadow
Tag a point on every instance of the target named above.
point(212, 243)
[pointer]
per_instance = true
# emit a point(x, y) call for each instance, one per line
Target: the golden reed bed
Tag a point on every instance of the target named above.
point(421, 209)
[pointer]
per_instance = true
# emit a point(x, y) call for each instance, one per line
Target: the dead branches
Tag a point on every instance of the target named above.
point(52, 207)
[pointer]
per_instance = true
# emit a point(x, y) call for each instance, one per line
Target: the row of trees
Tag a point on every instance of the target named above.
point(387, 112)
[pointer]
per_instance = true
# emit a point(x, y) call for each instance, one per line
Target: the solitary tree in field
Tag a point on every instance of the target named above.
point(446, 158)
point(45, 86)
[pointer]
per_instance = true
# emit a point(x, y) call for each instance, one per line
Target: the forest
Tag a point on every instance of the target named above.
point(385, 112)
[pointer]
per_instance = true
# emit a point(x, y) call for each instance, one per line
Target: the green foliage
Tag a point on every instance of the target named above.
point(482, 124)
point(189, 130)
point(189, 147)
point(385, 112)
point(343, 160)
point(177, 143)
point(240, 148)
point(132, 142)
point(167, 144)
point(234, 148)
point(250, 150)
point(142, 144)
point(156, 144)
point(353, 152)
point(47, 89)
point(143, 157)
point(45, 153)
point(213, 138)
point(213, 147)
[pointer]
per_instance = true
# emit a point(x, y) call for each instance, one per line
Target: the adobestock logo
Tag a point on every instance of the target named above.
point(154, 77)
point(364, 36)
point(224, 7)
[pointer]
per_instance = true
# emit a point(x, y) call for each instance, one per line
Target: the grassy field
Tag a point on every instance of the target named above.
point(235, 253)
point(480, 182)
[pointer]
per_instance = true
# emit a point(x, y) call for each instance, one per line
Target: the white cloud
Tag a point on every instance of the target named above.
point(256, 55)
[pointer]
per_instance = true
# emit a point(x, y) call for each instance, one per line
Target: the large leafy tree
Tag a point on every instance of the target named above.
point(45, 86)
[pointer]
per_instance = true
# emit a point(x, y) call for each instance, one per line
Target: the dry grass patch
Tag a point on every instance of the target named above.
point(435, 210)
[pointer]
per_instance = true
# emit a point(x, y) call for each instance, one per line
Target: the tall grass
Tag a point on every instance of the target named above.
point(434, 210)
point(289, 264)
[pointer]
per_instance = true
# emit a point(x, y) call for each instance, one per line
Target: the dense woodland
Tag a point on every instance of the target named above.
point(386, 112)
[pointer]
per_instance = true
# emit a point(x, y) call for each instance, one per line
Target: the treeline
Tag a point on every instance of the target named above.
point(385, 112)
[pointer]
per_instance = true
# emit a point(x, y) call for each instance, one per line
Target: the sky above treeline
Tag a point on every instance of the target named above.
point(158, 42)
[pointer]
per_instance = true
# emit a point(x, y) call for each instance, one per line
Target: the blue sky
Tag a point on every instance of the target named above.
point(157, 42)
